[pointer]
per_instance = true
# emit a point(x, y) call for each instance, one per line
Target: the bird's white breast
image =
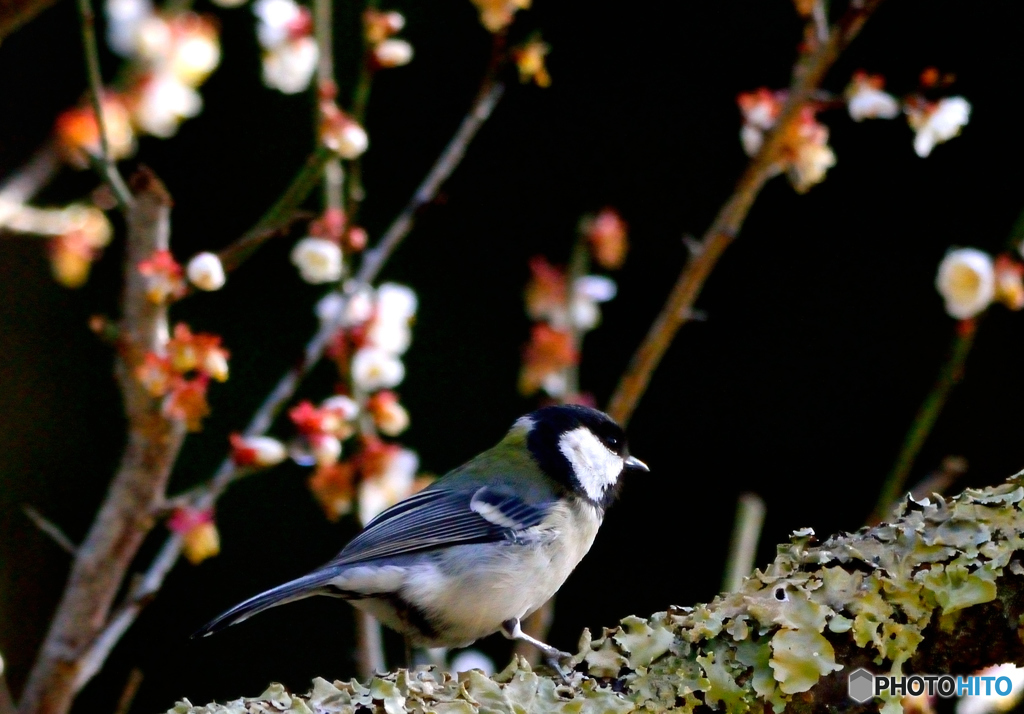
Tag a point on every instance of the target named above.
point(467, 591)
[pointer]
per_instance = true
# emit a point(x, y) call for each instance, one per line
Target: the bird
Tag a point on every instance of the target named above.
point(485, 545)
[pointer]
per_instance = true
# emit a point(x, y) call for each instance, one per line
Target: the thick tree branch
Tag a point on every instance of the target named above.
point(807, 77)
point(939, 590)
point(124, 518)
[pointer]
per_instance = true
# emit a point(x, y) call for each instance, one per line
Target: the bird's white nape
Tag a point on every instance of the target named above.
point(595, 466)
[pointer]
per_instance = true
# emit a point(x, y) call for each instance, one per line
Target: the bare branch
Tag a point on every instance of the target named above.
point(21, 186)
point(807, 75)
point(131, 688)
point(50, 528)
point(92, 63)
point(152, 580)
point(124, 518)
point(746, 533)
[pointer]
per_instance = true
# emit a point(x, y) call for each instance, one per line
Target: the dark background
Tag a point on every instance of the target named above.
point(824, 330)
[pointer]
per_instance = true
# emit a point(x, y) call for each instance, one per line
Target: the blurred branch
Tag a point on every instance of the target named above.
point(49, 528)
point(147, 586)
point(924, 420)
point(809, 72)
point(327, 88)
point(7, 705)
point(279, 216)
point(124, 519)
point(745, 534)
point(131, 688)
point(21, 186)
point(92, 63)
point(15, 13)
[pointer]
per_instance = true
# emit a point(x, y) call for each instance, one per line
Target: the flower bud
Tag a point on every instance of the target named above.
point(262, 451)
point(318, 260)
point(393, 53)
point(206, 272)
point(967, 282)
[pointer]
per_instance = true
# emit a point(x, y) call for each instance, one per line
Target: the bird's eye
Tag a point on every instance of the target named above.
point(611, 442)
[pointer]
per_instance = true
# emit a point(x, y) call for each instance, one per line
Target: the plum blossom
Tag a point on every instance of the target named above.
point(936, 122)
point(866, 100)
point(607, 235)
point(967, 282)
point(389, 475)
point(496, 15)
point(161, 101)
point(318, 260)
point(78, 133)
point(374, 368)
point(199, 537)
point(163, 277)
point(290, 53)
point(262, 451)
point(808, 151)
point(206, 272)
point(393, 52)
point(760, 110)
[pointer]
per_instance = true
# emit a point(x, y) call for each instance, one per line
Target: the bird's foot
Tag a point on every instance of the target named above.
point(554, 658)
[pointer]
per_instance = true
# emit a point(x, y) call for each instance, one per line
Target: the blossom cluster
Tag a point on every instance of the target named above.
point(285, 32)
point(805, 154)
point(379, 30)
point(970, 280)
point(496, 15)
point(181, 374)
point(170, 54)
point(373, 335)
point(563, 303)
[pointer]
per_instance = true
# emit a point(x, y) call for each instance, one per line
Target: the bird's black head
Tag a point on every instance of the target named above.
point(581, 448)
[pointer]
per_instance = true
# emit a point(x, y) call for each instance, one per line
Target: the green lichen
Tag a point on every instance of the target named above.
point(874, 595)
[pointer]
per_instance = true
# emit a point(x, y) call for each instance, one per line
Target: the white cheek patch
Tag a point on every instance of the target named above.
point(596, 466)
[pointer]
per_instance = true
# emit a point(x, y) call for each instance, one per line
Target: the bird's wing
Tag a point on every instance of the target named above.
point(436, 518)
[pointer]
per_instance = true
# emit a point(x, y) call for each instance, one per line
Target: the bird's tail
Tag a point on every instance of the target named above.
point(316, 583)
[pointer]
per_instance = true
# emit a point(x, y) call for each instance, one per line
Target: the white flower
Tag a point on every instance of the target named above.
point(751, 139)
point(346, 407)
point(587, 292)
point(263, 450)
point(359, 307)
point(374, 368)
point(318, 260)
point(289, 67)
point(206, 272)
point(394, 307)
point(196, 55)
point(810, 164)
point(966, 281)
point(326, 449)
point(390, 416)
point(163, 102)
point(866, 101)
point(277, 18)
point(348, 139)
point(329, 307)
point(215, 364)
point(124, 17)
point(385, 490)
point(393, 53)
point(396, 302)
point(938, 123)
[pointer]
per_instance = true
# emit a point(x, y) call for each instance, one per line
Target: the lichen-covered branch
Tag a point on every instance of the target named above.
point(126, 515)
point(938, 590)
point(808, 74)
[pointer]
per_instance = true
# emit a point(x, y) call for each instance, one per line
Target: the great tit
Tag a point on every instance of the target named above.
point(483, 546)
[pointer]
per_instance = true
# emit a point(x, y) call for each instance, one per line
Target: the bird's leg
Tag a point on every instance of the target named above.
point(513, 630)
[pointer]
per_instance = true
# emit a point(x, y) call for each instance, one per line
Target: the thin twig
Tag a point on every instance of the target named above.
point(373, 261)
point(281, 214)
point(131, 688)
point(50, 528)
point(807, 75)
point(21, 186)
point(746, 533)
point(924, 420)
point(92, 63)
point(327, 87)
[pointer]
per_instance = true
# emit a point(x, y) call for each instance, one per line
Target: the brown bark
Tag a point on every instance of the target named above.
point(138, 488)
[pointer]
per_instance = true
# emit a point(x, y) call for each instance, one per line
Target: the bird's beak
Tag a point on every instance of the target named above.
point(636, 464)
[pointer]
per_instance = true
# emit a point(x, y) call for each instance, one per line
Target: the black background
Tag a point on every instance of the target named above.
point(824, 331)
